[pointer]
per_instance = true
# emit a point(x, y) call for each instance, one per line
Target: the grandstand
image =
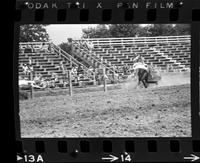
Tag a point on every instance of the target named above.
point(160, 52)
point(46, 58)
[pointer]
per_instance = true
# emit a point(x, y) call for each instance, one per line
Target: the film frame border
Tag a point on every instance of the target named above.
point(175, 147)
point(182, 11)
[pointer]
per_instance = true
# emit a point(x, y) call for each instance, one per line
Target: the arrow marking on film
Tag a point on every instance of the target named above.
point(111, 158)
point(19, 158)
point(192, 157)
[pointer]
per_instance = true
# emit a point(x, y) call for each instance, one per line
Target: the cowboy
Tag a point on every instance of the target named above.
point(140, 65)
point(142, 70)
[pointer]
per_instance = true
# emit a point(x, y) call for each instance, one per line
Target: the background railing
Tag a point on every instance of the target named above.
point(93, 56)
point(138, 40)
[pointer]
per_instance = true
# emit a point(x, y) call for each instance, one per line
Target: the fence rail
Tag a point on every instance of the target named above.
point(139, 40)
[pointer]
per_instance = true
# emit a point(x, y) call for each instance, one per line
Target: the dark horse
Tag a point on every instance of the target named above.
point(145, 77)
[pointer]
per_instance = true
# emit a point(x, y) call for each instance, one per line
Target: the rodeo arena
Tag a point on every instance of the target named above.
point(106, 87)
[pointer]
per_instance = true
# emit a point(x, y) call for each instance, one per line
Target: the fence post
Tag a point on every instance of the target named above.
point(167, 68)
point(104, 80)
point(94, 78)
point(70, 62)
point(113, 75)
point(70, 82)
point(31, 87)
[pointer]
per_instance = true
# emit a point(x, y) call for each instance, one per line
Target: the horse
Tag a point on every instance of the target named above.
point(146, 75)
point(143, 77)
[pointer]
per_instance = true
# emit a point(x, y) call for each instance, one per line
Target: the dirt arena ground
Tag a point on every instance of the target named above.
point(158, 111)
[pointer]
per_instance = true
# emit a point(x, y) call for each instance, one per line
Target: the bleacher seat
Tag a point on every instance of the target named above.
point(43, 63)
point(159, 51)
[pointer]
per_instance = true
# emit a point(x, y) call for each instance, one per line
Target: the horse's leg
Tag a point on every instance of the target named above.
point(144, 83)
point(144, 78)
point(139, 76)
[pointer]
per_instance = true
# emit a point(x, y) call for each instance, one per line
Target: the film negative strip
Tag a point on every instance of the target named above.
point(107, 81)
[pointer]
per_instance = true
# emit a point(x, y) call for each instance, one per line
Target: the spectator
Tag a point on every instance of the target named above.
point(30, 61)
point(62, 67)
point(55, 76)
point(25, 69)
point(90, 46)
point(85, 45)
point(43, 48)
point(91, 70)
point(43, 83)
point(30, 66)
point(46, 47)
point(74, 72)
point(98, 79)
point(50, 49)
point(80, 70)
point(37, 79)
point(53, 80)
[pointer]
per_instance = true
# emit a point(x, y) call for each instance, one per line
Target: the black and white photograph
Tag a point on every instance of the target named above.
point(104, 80)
